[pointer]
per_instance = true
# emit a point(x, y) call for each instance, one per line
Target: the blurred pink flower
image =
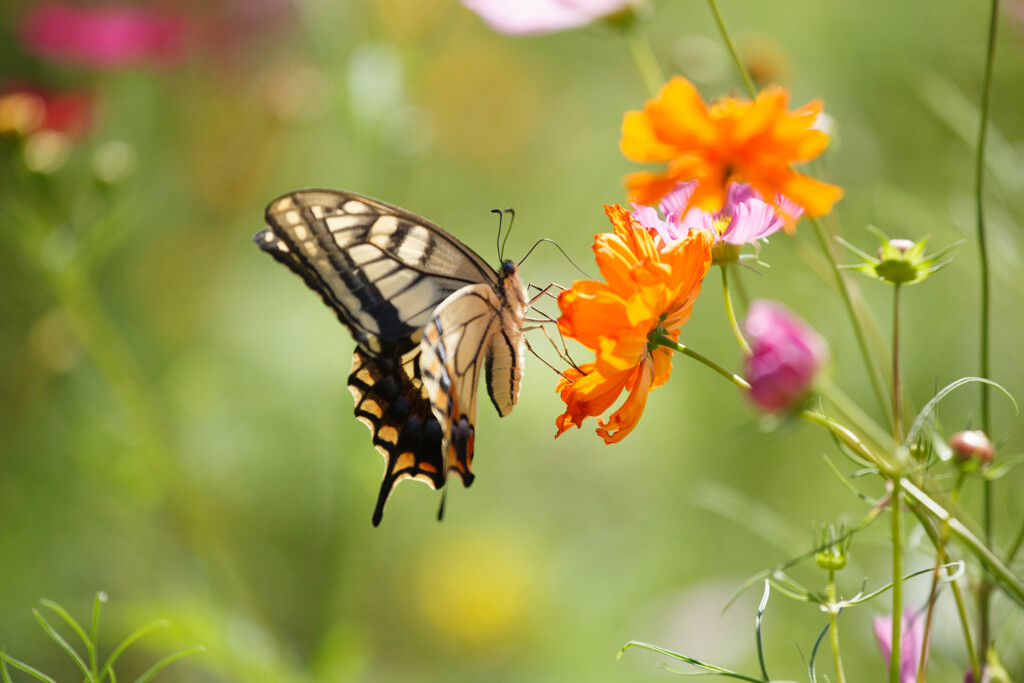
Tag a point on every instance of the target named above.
point(746, 217)
point(786, 356)
point(103, 37)
point(526, 17)
point(911, 642)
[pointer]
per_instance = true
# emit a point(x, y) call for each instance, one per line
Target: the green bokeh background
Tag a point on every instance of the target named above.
point(209, 471)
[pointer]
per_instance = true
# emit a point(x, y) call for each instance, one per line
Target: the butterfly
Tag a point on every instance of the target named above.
point(427, 314)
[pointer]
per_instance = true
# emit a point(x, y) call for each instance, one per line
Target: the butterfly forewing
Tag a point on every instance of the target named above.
point(427, 314)
point(382, 269)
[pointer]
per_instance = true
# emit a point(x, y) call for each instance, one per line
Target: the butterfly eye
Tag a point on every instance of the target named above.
point(508, 268)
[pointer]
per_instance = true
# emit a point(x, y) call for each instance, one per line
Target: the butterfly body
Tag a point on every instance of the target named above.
point(427, 314)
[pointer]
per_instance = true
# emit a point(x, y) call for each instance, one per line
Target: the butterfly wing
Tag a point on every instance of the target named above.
point(383, 271)
point(473, 327)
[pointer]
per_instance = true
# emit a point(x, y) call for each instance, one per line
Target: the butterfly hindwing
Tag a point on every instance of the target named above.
point(427, 314)
point(390, 399)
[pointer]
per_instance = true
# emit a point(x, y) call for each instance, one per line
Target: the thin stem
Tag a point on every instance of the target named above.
point(740, 66)
point(979, 171)
point(681, 348)
point(643, 57)
point(844, 289)
point(833, 627)
point(1015, 546)
point(895, 505)
point(985, 590)
point(1008, 580)
point(942, 558)
point(732, 314)
point(897, 382)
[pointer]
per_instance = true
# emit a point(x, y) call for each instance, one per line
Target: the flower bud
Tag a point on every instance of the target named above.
point(835, 545)
point(972, 445)
point(900, 245)
point(899, 261)
point(786, 356)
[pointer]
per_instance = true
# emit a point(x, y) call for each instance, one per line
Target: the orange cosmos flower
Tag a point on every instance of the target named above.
point(730, 141)
point(647, 291)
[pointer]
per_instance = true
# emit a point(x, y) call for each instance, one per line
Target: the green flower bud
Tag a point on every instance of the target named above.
point(898, 261)
point(833, 552)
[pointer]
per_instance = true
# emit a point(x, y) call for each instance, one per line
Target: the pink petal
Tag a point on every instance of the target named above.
point(525, 17)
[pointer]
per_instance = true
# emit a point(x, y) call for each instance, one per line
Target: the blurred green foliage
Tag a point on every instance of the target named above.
point(175, 428)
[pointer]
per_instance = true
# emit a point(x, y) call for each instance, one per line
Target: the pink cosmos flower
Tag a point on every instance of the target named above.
point(746, 217)
point(911, 642)
point(103, 37)
point(786, 356)
point(531, 17)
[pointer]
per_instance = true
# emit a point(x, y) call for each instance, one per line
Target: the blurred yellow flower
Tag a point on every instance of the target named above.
point(475, 590)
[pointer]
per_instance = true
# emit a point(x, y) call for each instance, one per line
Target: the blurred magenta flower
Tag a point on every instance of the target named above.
point(526, 17)
point(744, 218)
point(103, 37)
point(911, 642)
point(786, 356)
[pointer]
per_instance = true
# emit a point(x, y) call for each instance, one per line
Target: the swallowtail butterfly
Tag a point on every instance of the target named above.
point(427, 314)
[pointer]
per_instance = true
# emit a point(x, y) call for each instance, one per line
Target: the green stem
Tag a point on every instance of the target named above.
point(844, 289)
point(1012, 554)
point(985, 590)
point(856, 414)
point(732, 314)
point(1009, 581)
point(896, 505)
point(73, 288)
point(939, 540)
point(740, 66)
point(643, 57)
point(681, 348)
point(833, 627)
point(897, 382)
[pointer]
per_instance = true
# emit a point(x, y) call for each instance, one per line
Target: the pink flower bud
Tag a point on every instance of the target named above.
point(787, 355)
point(972, 445)
point(900, 245)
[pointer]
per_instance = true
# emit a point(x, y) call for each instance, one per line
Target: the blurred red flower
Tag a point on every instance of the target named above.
point(28, 110)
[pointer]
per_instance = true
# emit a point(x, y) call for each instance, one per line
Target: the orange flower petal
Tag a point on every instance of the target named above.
point(640, 142)
point(587, 394)
point(815, 196)
point(626, 418)
point(732, 140)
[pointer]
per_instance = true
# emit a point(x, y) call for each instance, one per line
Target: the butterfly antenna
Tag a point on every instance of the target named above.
point(511, 220)
point(559, 247)
point(498, 241)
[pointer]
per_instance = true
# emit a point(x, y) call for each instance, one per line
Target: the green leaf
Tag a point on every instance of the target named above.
point(124, 645)
point(814, 650)
point(163, 663)
point(97, 603)
point(1003, 467)
point(757, 629)
point(7, 659)
point(709, 668)
point(66, 616)
point(57, 638)
point(926, 411)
